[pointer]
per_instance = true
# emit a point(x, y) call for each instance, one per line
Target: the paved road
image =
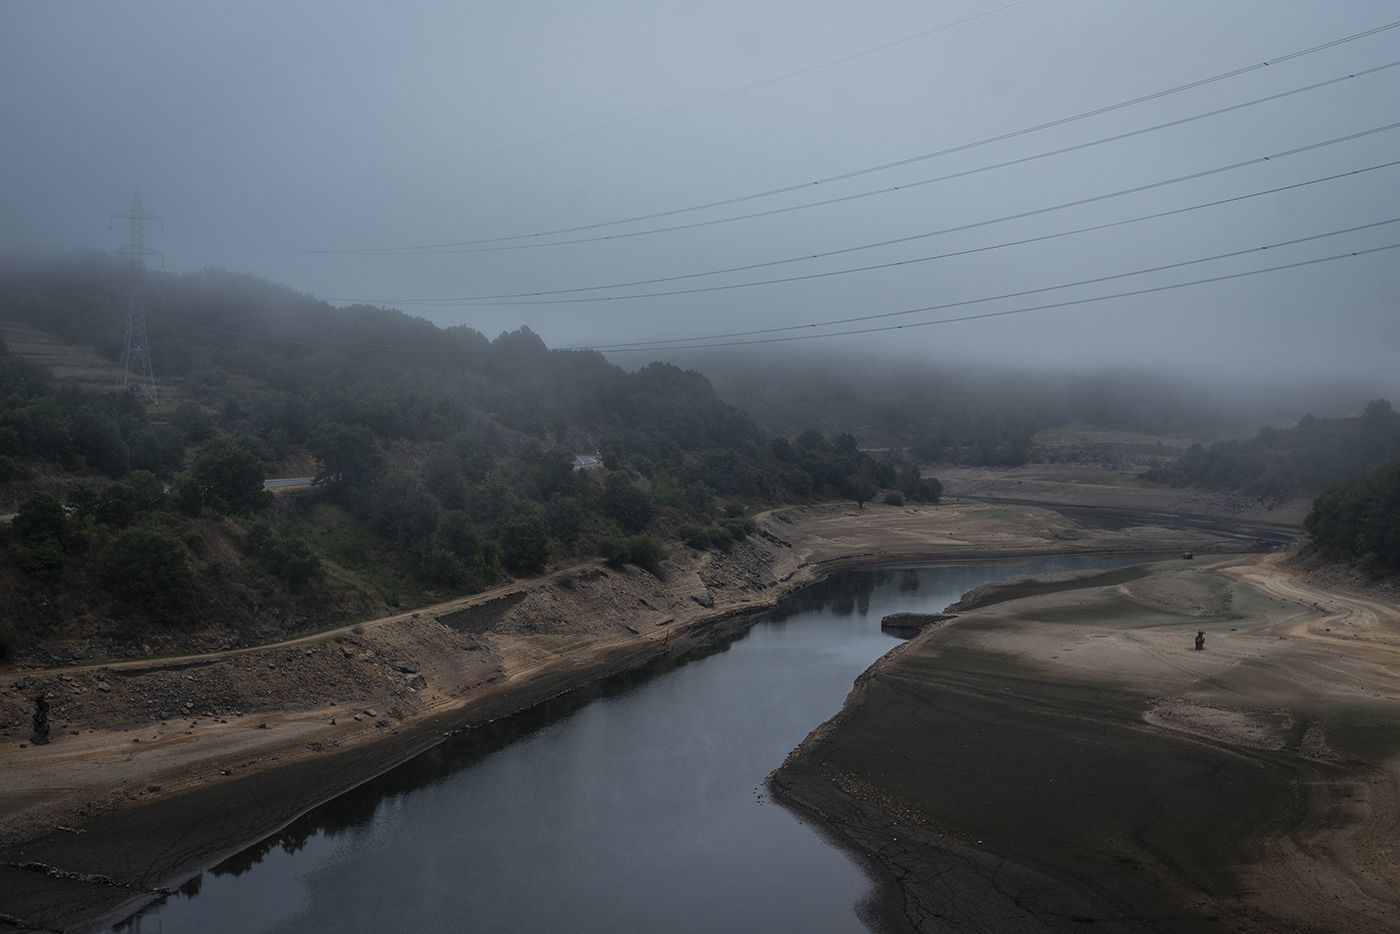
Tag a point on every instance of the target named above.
point(288, 483)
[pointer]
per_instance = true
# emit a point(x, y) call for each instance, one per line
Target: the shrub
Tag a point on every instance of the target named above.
point(117, 505)
point(695, 536)
point(83, 499)
point(10, 469)
point(738, 527)
point(187, 496)
point(641, 550)
point(230, 477)
point(564, 519)
point(147, 572)
point(38, 536)
point(43, 560)
point(282, 554)
point(613, 550)
point(524, 546)
point(645, 552)
point(148, 492)
point(624, 503)
point(894, 499)
point(40, 519)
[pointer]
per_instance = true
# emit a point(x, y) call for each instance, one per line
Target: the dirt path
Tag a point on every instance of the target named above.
point(437, 609)
point(1337, 618)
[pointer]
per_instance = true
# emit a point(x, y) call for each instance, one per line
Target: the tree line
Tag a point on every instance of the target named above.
point(1281, 463)
point(443, 459)
point(1358, 520)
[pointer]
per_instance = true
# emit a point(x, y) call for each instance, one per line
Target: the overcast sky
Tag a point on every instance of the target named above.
point(257, 129)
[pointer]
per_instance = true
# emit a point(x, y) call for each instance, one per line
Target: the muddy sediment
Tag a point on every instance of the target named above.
point(1060, 758)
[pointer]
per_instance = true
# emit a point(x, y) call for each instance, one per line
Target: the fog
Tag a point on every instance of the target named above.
point(270, 136)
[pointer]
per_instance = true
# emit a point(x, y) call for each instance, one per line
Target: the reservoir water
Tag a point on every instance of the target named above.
point(635, 805)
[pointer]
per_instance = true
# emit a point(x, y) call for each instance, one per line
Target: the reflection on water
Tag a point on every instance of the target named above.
point(632, 804)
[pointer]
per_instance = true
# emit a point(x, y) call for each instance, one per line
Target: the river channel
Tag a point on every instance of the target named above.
point(635, 805)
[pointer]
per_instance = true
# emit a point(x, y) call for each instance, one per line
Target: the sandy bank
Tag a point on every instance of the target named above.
point(1061, 756)
point(159, 768)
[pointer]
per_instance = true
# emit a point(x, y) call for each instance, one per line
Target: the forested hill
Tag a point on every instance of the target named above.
point(444, 461)
point(987, 414)
point(1358, 520)
point(1304, 460)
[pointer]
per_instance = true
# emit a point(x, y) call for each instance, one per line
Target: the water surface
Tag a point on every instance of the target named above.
point(636, 805)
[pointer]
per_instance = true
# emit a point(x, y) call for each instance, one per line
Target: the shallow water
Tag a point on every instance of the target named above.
point(635, 805)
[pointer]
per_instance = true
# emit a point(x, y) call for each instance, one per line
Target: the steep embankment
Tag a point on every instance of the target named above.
point(158, 767)
point(1064, 757)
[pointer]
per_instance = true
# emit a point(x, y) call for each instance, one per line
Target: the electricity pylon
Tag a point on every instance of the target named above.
point(138, 375)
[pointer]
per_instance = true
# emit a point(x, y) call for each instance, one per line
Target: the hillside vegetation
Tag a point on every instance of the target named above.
point(1358, 520)
point(444, 464)
point(990, 415)
point(1281, 463)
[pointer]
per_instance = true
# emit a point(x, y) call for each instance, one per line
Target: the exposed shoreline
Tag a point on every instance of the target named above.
point(211, 818)
point(1240, 789)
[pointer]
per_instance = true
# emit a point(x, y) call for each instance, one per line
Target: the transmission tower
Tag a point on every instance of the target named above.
point(138, 376)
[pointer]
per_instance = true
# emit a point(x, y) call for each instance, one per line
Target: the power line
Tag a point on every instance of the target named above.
point(785, 189)
point(1005, 295)
point(686, 105)
point(994, 314)
point(906, 186)
point(680, 343)
point(473, 300)
point(972, 250)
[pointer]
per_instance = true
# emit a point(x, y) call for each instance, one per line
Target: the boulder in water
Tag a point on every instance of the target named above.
point(909, 625)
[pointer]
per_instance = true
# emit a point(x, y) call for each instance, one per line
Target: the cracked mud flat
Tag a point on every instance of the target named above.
point(1066, 761)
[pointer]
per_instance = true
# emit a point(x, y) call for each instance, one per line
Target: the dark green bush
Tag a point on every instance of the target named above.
point(147, 574)
point(230, 477)
point(283, 554)
point(38, 535)
point(641, 550)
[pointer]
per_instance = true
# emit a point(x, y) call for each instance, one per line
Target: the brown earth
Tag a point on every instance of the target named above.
point(1060, 757)
point(67, 362)
point(1102, 488)
point(158, 768)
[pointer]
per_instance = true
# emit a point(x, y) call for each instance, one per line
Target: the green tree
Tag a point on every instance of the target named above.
point(194, 423)
point(442, 474)
point(148, 492)
point(524, 545)
point(230, 477)
point(118, 505)
point(401, 510)
point(38, 536)
point(563, 519)
point(40, 518)
point(624, 503)
point(348, 454)
point(83, 499)
point(147, 574)
point(863, 488)
point(283, 554)
point(187, 496)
